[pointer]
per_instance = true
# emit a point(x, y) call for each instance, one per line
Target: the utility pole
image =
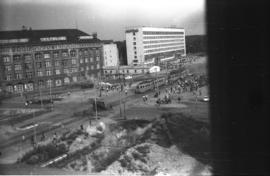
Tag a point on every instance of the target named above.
point(51, 95)
point(120, 95)
point(124, 99)
point(40, 98)
point(96, 107)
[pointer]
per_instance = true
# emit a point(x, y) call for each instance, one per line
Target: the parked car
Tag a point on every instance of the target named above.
point(128, 77)
point(205, 99)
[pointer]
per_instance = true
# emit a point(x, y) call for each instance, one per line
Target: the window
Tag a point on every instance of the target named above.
point(86, 60)
point(6, 59)
point(49, 83)
point(73, 61)
point(82, 69)
point(38, 56)
point(9, 88)
point(48, 64)
point(48, 72)
point(29, 87)
point(17, 67)
point(28, 66)
point(134, 38)
point(161, 33)
point(57, 63)
point(91, 52)
point(29, 75)
point(58, 82)
point(66, 80)
point(64, 53)
point(81, 61)
point(135, 71)
point(27, 57)
point(80, 52)
point(97, 66)
point(18, 88)
point(57, 72)
point(97, 58)
point(65, 62)
point(91, 59)
point(74, 78)
point(74, 70)
point(39, 64)
point(16, 58)
point(8, 77)
point(135, 47)
point(135, 57)
point(41, 84)
point(66, 71)
point(39, 73)
point(134, 43)
point(47, 55)
point(87, 67)
point(8, 68)
point(18, 75)
point(55, 54)
point(135, 52)
point(92, 67)
point(73, 53)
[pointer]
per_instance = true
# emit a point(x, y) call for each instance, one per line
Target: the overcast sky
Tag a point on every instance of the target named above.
point(109, 18)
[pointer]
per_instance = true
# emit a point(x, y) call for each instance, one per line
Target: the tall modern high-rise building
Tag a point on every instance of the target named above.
point(152, 46)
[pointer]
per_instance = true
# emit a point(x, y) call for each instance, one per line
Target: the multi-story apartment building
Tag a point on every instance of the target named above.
point(110, 55)
point(152, 46)
point(36, 59)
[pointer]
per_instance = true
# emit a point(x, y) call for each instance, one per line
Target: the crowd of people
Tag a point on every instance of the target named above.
point(188, 83)
point(190, 59)
point(107, 89)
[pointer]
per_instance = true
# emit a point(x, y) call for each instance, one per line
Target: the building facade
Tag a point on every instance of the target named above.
point(31, 60)
point(113, 72)
point(110, 55)
point(152, 46)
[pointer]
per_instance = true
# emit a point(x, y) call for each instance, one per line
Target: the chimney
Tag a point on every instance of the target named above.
point(94, 34)
point(24, 28)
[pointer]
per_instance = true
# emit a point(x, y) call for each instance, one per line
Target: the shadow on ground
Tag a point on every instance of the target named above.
point(190, 136)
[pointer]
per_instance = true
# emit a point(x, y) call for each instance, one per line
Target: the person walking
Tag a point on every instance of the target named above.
point(179, 99)
point(43, 137)
point(33, 141)
point(54, 141)
point(107, 91)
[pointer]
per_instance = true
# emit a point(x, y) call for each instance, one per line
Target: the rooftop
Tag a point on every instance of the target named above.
point(45, 36)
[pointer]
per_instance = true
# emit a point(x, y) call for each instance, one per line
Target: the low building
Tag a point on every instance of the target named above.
point(114, 72)
point(40, 59)
point(110, 54)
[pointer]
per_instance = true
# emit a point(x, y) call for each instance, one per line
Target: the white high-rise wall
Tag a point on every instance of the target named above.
point(110, 55)
point(150, 46)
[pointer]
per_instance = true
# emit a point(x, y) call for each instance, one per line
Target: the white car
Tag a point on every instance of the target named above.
point(128, 77)
point(206, 98)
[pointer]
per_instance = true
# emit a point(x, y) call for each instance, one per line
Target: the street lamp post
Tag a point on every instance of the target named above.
point(51, 95)
point(40, 98)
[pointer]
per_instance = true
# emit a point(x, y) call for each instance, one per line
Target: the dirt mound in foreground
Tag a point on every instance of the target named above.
point(152, 159)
